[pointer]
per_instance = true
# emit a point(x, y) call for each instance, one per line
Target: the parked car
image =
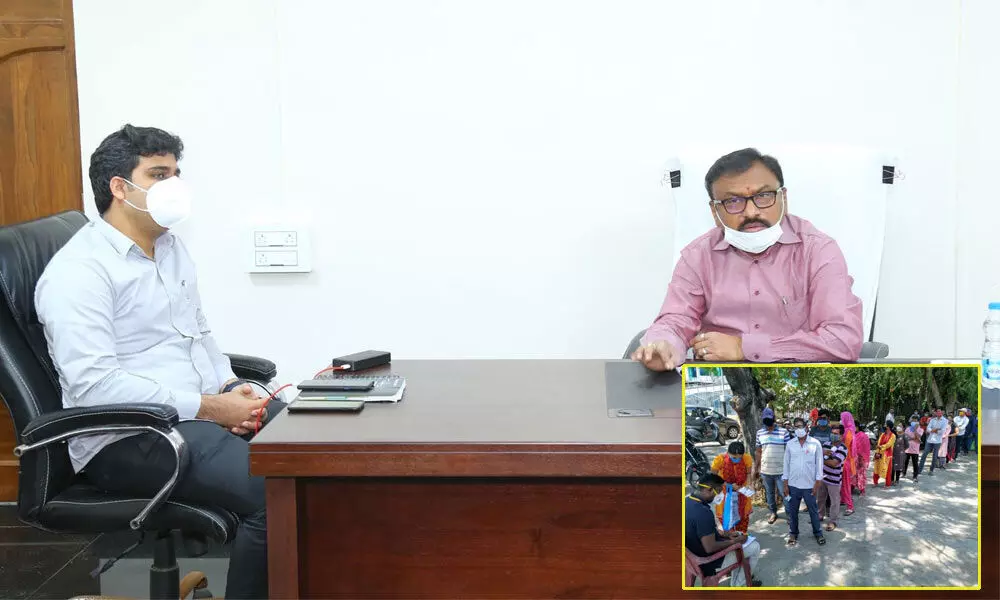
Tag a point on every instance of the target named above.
point(729, 427)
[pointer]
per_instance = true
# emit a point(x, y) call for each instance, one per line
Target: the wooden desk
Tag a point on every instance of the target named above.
point(490, 479)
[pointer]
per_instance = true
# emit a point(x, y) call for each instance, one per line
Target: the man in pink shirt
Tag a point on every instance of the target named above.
point(763, 286)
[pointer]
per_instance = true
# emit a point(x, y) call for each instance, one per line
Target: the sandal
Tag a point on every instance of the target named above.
point(772, 519)
point(820, 540)
point(793, 540)
point(849, 512)
point(830, 526)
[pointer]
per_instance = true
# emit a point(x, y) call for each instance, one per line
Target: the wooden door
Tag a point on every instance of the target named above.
point(40, 169)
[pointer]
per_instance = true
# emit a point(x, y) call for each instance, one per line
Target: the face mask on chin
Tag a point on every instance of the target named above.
point(168, 201)
point(755, 242)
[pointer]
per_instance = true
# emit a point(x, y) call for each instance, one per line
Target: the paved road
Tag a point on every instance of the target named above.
point(911, 534)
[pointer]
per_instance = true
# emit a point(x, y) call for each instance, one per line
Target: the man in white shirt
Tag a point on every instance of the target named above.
point(961, 424)
point(935, 429)
point(802, 476)
point(122, 317)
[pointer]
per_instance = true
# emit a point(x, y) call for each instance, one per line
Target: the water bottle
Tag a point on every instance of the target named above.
point(991, 347)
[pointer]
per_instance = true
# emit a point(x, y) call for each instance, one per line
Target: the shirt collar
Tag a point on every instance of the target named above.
point(122, 243)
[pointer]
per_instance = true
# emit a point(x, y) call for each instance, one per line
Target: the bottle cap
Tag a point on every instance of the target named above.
point(994, 306)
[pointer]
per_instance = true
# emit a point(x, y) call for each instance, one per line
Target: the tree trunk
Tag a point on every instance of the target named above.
point(933, 388)
point(749, 401)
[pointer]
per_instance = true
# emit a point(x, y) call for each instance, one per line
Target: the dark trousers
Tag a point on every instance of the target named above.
point(963, 445)
point(906, 464)
point(798, 495)
point(217, 475)
point(931, 449)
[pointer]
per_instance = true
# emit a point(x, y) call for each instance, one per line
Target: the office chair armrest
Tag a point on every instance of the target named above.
point(874, 350)
point(253, 368)
point(71, 420)
point(112, 418)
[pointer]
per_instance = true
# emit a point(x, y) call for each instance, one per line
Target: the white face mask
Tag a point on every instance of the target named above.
point(718, 499)
point(168, 201)
point(800, 432)
point(756, 242)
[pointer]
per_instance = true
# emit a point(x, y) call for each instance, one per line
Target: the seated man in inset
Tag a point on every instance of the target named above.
point(122, 317)
point(762, 286)
point(703, 537)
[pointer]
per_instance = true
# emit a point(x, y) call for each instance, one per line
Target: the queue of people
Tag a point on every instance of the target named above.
point(818, 463)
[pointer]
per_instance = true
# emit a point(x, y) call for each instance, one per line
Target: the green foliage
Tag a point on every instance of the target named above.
point(868, 392)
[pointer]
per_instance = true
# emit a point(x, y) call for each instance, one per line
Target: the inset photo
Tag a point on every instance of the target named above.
point(817, 476)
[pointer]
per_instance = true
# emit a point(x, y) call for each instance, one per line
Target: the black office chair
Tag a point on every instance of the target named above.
point(868, 349)
point(50, 495)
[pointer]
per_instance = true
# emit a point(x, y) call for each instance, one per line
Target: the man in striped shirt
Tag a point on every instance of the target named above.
point(769, 461)
point(834, 454)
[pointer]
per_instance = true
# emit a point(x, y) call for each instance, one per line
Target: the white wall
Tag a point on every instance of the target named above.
point(978, 242)
point(490, 170)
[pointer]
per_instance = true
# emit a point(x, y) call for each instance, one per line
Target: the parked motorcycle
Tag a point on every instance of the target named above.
point(697, 462)
point(707, 432)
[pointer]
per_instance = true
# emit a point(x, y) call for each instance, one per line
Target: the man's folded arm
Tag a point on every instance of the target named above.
point(76, 307)
point(836, 331)
point(680, 316)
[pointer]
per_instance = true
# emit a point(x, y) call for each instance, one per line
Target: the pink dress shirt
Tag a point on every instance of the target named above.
point(792, 303)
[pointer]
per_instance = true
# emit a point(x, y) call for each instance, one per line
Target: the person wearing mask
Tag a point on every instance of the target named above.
point(863, 455)
point(890, 416)
point(898, 455)
point(734, 467)
point(924, 422)
point(883, 455)
point(849, 474)
point(762, 286)
point(935, 434)
point(962, 427)
point(834, 455)
point(769, 461)
point(822, 429)
point(946, 437)
point(703, 538)
point(913, 434)
point(971, 433)
point(122, 316)
point(802, 476)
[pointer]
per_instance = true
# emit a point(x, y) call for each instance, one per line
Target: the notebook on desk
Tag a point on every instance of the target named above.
point(387, 388)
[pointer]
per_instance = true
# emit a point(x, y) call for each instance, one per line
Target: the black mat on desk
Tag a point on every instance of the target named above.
point(633, 387)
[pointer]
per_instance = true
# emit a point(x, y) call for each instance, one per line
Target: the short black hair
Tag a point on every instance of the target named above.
point(712, 480)
point(737, 448)
point(837, 427)
point(823, 412)
point(738, 162)
point(798, 420)
point(118, 155)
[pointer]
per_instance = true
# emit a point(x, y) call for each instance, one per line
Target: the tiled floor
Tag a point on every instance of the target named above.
point(39, 564)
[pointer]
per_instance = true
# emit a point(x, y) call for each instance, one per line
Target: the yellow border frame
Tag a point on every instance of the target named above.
point(979, 470)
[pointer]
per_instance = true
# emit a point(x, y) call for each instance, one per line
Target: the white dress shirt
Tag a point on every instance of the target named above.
point(803, 463)
point(122, 327)
point(939, 424)
point(961, 422)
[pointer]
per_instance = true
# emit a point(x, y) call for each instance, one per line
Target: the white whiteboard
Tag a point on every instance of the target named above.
point(837, 188)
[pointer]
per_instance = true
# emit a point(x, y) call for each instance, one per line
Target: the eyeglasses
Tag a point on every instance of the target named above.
point(737, 204)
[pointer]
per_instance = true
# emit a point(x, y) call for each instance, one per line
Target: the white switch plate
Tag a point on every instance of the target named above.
point(278, 248)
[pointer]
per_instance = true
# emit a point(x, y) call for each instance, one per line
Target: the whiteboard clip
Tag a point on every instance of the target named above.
point(671, 177)
point(890, 174)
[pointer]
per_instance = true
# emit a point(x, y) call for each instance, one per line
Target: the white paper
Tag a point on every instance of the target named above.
point(747, 492)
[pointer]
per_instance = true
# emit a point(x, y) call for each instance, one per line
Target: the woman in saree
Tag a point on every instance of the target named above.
point(883, 455)
point(850, 468)
point(734, 467)
point(862, 454)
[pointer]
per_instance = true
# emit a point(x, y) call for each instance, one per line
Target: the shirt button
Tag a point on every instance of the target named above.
point(756, 292)
point(755, 261)
point(756, 325)
point(756, 356)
